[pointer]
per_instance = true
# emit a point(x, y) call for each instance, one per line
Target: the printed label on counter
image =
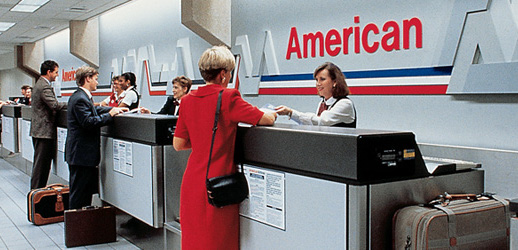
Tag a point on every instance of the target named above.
point(7, 124)
point(265, 202)
point(123, 157)
point(62, 138)
point(27, 131)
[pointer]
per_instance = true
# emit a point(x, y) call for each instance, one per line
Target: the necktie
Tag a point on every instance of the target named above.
point(322, 107)
point(177, 107)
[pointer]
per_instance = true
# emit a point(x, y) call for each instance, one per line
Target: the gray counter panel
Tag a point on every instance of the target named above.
point(10, 133)
point(27, 113)
point(61, 166)
point(174, 167)
point(26, 140)
point(323, 214)
point(314, 214)
point(140, 195)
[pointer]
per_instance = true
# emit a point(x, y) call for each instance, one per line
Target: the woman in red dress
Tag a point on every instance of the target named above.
point(204, 226)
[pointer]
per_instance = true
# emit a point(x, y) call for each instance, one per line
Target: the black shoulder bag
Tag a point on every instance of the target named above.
point(228, 189)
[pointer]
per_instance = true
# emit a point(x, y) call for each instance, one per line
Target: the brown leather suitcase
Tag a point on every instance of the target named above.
point(464, 221)
point(90, 225)
point(47, 205)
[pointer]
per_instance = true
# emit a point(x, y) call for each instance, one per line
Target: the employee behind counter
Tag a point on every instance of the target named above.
point(181, 87)
point(335, 109)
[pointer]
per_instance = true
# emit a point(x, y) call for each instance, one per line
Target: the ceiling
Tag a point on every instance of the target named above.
point(52, 17)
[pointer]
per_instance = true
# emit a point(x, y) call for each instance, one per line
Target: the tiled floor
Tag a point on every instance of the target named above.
point(16, 232)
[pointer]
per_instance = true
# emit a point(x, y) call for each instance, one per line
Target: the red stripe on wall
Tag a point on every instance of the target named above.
point(158, 92)
point(373, 90)
point(400, 90)
point(288, 91)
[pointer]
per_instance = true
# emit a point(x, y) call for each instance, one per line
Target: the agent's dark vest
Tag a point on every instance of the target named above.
point(343, 124)
point(135, 104)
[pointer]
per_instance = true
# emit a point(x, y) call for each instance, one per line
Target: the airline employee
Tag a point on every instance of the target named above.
point(335, 109)
point(181, 86)
point(130, 96)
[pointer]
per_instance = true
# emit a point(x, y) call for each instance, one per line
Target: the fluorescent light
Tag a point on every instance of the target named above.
point(33, 2)
point(25, 8)
point(29, 5)
point(4, 26)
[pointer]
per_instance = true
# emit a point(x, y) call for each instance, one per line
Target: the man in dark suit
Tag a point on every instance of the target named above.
point(83, 144)
point(43, 127)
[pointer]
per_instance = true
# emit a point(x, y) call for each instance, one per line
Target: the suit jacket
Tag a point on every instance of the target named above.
point(83, 144)
point(169, 107)
point(44, 108)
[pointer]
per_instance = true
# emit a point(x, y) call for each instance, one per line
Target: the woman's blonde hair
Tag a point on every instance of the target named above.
point(83, 72)
point(215, 59)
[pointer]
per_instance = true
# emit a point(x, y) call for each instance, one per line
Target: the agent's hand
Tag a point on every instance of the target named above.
point(116, 111)
point(283, 110)
point(144, 110)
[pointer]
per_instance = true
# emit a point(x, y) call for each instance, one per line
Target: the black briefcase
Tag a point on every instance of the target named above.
point(90, 225)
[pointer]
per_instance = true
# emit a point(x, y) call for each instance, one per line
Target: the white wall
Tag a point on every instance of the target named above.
point(11, 80)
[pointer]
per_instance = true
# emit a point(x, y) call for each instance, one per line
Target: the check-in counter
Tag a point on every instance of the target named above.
point(60, 168)
point(25, 134)
point(136, 149)
point(333, 188)
point(11, 115)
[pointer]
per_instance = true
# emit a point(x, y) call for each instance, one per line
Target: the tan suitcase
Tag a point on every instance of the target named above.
point(47, 205)
point(454, 222)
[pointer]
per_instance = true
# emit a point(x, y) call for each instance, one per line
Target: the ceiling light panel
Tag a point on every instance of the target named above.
point(29, 5)
point(4, 26)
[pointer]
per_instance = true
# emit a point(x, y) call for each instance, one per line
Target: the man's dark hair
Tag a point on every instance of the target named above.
point(25, 87)
point(48, 65)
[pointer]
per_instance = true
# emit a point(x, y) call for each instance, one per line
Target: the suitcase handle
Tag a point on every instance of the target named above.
point(445, 199)
point(55, 185)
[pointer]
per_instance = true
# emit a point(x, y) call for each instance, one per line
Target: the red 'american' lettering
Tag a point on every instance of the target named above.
point(366, 38)
point(67, 76)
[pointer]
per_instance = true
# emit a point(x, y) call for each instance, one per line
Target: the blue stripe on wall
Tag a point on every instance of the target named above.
point(433, 71)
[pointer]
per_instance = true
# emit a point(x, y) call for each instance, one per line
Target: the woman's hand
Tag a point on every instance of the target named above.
point(268, 118)
point(116, 111)
point(144, 110)
point(283, 110)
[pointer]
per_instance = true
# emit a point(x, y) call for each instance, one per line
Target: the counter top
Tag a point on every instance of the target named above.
point(340, 154)
point(12, 110)
point(147, 128)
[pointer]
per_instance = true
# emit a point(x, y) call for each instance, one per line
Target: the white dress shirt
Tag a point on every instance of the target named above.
point(342, 111)
point(130, 96)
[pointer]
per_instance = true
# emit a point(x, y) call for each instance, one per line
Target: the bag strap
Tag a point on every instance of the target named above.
point(214, 128)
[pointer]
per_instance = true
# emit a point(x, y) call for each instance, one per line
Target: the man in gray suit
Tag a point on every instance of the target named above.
point(43, 124)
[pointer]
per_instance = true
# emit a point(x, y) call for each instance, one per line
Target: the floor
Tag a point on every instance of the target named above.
point(16, 232)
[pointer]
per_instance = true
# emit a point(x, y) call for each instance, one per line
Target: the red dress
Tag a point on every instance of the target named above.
point(204, 226)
